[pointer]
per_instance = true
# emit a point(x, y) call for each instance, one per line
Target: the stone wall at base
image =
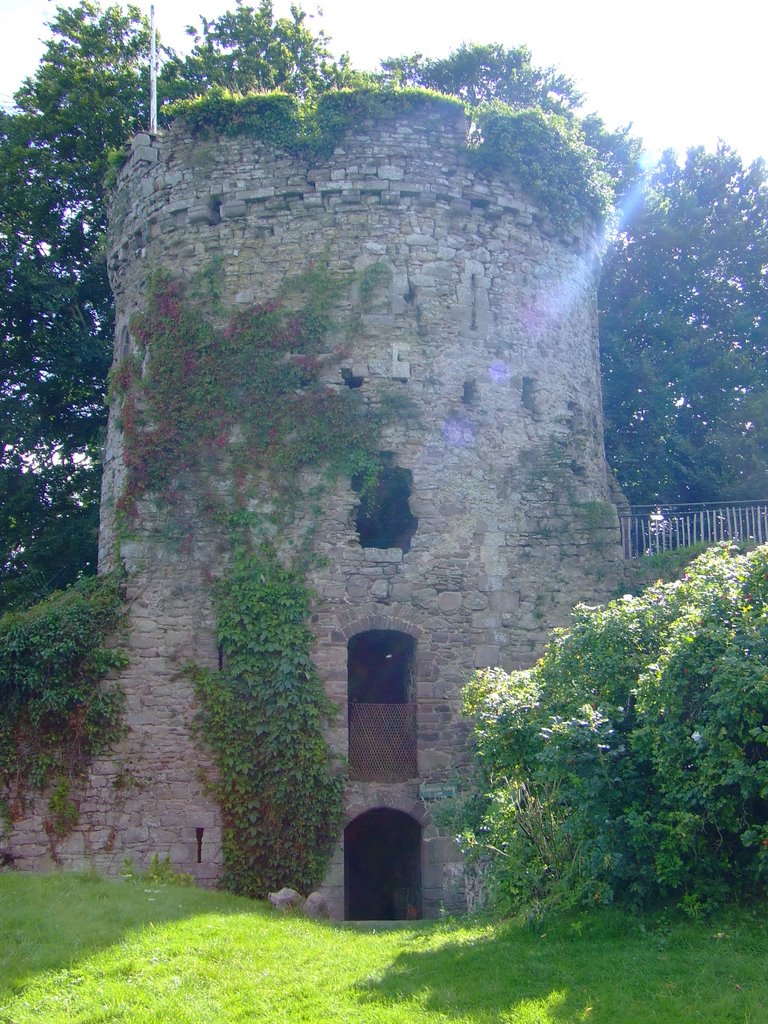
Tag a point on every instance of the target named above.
point(482, 325)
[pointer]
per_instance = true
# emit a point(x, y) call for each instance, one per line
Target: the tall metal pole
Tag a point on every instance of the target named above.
point(152, 71)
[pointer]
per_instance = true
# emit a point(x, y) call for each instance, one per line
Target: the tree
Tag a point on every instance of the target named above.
point(684, 334)
point(88, 96)
point(484, 73)
point(56, 319)
point(631, 763)
point(248, 50)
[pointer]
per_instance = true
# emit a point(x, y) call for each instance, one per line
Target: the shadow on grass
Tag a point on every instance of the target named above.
point(505, 974)
point(608, 968)
point(52, 921)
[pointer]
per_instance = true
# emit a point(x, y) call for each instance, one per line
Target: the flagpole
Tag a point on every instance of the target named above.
point(152, 71)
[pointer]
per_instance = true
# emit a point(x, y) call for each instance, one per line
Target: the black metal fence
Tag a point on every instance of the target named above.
point(654, 528)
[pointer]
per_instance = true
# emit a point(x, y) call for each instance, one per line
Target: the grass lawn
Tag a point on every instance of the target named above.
point(77, 949)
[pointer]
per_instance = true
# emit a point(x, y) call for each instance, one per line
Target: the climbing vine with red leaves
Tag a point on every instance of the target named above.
point(246, 404)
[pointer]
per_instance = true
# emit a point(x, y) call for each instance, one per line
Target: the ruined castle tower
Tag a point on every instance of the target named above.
point(498, 505)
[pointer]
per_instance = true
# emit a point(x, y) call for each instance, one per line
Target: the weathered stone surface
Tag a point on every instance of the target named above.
point(487, 330)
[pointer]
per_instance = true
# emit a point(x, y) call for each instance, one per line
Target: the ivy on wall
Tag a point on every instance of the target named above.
point(309, 131)
point(55, 711)
point(549, 156)
point(245, 407)
point(262, 717)
point(248, 398)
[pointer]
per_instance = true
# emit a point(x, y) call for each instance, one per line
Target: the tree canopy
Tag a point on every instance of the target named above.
point(249, 50)
point(56, 315)
point(684, 334)
point(480, 74)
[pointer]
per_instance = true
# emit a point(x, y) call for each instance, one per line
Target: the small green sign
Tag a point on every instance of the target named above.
point(437, 790)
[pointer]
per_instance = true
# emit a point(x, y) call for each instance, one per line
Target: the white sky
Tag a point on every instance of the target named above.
point(684, 72)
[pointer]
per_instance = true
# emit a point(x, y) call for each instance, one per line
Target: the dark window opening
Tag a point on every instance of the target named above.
point(214, 210)
point(383, 518)
point(381, 706)
point(469, 395)
point(380, 666)
point(382, 867)
point(529, 394)
point(350, 379)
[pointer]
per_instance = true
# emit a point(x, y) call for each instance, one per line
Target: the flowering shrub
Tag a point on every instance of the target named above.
point(631, 763)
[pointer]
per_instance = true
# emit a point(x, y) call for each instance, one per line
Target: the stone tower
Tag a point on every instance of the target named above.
point(499, 504)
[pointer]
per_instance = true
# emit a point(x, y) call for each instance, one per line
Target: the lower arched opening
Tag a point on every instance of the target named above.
point(382, 867)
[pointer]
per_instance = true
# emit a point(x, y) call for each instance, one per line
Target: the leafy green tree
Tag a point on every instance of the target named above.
point(631, 763)
point(483, 73)
point(249, 50)
point(56, 319)
point(684, 334)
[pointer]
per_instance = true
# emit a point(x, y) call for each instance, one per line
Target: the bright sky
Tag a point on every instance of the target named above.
point(684, 72)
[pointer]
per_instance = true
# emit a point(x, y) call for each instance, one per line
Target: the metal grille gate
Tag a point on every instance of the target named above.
point(382, 742)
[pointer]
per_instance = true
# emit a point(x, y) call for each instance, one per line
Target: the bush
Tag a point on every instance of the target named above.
point(631, 762)
point(56, 712)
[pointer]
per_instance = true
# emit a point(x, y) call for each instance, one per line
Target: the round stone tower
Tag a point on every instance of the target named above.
point(494, 505)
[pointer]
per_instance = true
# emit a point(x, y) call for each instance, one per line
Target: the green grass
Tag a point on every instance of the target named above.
point(84, 950)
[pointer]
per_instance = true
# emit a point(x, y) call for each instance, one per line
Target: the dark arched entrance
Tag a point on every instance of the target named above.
point(382, 867)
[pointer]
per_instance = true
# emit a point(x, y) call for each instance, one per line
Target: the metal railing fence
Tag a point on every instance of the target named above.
point(649, 530)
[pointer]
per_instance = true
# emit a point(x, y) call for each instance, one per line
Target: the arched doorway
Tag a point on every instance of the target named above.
point(382, 866)
point(381, 706)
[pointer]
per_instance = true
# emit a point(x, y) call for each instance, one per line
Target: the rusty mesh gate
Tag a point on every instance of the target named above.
point(382, 742)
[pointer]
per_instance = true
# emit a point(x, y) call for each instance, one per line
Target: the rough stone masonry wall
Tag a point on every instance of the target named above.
point(486, 322)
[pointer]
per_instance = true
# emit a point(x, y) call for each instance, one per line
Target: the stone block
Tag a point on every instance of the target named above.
point(200, 214)
point(486, 656)
point(234, 210)
point(390, 172)
point(449, 601)
point(400, 591)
